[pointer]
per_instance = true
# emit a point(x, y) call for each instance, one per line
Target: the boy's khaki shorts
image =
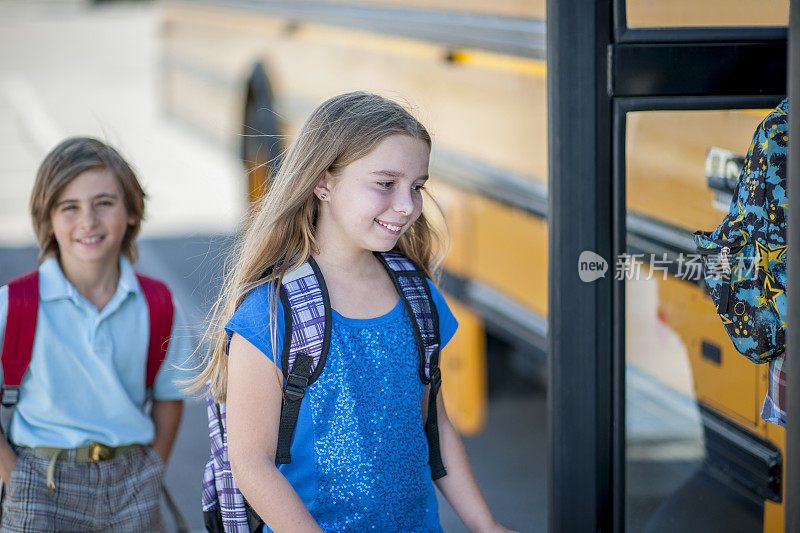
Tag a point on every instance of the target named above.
point(121, 494)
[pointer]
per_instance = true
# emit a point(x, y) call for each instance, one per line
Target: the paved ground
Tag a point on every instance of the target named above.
point(68, 69)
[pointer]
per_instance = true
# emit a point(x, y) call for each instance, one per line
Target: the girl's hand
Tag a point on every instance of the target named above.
point(496, 528)
point(459, 485)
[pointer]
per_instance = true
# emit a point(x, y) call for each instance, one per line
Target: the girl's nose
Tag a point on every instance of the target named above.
point(403, 203)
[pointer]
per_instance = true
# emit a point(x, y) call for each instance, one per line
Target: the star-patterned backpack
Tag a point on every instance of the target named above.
point(744, 262)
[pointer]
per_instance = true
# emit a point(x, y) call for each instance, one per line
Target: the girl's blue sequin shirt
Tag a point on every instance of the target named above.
point(359, 453)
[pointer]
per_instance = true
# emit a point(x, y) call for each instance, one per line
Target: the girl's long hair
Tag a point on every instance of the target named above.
point(280, 234)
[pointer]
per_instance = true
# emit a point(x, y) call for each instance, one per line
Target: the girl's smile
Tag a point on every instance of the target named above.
point(394, 229)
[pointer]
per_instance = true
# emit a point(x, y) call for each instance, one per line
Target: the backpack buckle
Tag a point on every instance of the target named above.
point(295, 387)
point(9, 396)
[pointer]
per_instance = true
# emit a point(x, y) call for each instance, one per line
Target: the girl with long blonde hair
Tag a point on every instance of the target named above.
point(351, 184)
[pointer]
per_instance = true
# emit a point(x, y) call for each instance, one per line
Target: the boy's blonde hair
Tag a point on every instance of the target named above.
point(66, 162)
point(281, 233)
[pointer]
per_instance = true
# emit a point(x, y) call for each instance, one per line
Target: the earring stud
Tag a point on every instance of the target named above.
point(323, 195)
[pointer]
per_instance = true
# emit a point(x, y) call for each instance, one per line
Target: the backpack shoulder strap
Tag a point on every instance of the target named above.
point(23, 308)
point(307, 337)
point(161, 311)
point(307, 316)
point(412, 286)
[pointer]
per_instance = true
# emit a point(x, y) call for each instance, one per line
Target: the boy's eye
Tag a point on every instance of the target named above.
point(105, 203)
point(419, 187)
point(69, 207)
point(385, 184)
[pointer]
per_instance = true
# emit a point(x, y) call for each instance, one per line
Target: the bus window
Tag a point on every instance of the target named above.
point(709, 13)
point(507, 8)
point(693, 431)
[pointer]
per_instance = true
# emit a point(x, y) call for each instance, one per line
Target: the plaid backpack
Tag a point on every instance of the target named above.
point(744, 262)
point(307, 313)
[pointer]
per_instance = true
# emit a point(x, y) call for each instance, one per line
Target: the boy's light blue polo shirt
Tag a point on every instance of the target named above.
point(86, 380)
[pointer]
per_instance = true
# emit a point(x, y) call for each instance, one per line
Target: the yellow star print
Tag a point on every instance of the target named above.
point(745, 235)
point(767, 254)
point(761, 300)
point(741, 214)
point(771, 291)
point(765, 145)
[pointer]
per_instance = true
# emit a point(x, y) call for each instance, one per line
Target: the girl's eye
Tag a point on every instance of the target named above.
point(105, 203)
point(385, 184)
point(418, 187)
point(69, 208)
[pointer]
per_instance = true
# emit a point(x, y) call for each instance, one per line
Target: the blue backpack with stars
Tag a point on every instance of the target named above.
point(744, 259)
point(307, 313)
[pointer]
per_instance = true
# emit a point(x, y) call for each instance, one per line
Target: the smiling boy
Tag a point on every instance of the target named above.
point(83, 454)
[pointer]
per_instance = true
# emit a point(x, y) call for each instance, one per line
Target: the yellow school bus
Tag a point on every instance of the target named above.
point(248, 73)
point(240, 73)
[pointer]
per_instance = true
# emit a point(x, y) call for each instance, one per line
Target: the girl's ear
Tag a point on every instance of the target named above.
point(322, 190)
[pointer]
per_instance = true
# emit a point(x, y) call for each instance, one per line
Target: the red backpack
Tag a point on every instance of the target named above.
point(23, 307)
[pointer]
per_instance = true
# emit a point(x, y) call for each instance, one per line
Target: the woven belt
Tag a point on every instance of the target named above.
point(91, 453)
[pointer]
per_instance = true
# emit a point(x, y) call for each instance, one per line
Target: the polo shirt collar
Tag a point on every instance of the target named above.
point(53, 284)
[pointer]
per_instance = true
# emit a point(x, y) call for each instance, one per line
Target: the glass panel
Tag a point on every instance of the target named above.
point(688, 13)
point(507, 8)
point(693, 429)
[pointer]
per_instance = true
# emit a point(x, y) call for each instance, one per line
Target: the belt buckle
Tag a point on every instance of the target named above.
point(99, 452)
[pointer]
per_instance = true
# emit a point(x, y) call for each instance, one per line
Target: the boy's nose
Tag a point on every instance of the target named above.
point(89, 219)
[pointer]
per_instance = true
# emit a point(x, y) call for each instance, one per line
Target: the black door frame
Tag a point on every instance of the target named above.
point(598, 70)
point(580, 219)
point(793, 341)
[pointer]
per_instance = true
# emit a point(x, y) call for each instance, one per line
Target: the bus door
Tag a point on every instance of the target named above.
point(698, 456)
point(686, 86)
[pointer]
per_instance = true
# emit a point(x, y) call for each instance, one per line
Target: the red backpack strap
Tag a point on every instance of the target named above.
point(161, 311)
point(23, 307)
